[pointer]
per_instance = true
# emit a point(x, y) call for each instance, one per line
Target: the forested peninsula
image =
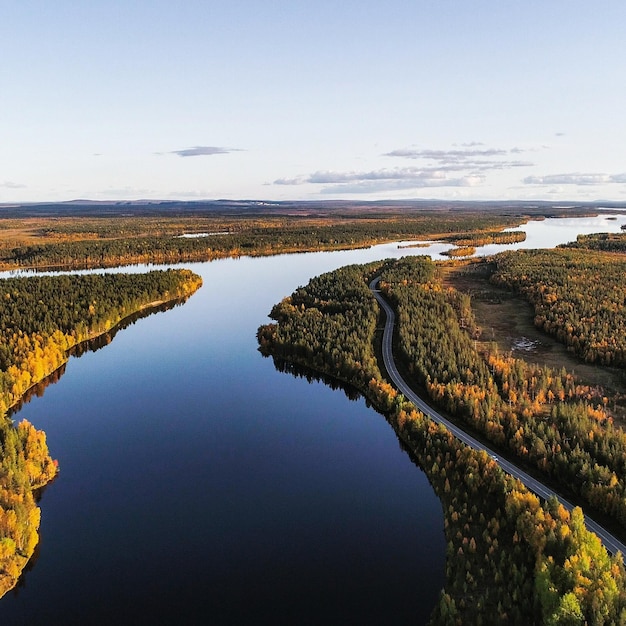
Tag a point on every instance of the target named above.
point(511, 559)
point(41, 319)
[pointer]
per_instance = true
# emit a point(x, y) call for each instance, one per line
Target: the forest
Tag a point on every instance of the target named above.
point(41, 319)
point(606, 242)
point(485, 238)
point(88, 242)
point(578, 294)
point(509, 557)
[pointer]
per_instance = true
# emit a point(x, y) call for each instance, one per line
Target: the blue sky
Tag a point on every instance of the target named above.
point(464, 99)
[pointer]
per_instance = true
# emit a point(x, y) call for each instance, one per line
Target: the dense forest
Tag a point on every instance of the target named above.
point(466, 243)
point(545, 417)
point(606, 242)
point(485, 238)
point(107, 242)
point(578, 295)
point(41, 319)
point(510, 558)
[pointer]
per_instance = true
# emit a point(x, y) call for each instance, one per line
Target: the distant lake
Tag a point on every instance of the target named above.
point(199, 485)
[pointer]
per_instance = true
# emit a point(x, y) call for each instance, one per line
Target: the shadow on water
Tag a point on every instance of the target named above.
point(351, 392)
point(90, 345)
point(311, 375)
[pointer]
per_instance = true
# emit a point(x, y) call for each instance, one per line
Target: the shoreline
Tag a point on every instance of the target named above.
point(16, 563)
point(146, 309)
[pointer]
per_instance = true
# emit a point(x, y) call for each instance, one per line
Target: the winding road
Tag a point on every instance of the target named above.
point(611, 543)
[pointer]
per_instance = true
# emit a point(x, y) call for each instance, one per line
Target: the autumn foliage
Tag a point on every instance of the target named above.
point(578, 295)
point(511, 559)
point(41, 318)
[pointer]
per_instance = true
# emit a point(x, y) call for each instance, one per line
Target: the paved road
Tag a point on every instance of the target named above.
point(611, 543)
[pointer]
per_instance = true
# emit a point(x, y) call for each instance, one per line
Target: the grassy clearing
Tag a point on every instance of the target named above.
point(507, 319)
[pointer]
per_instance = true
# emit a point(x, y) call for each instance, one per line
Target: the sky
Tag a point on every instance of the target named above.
point(312, 100)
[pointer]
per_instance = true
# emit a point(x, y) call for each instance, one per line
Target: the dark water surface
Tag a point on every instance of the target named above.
point(199, 485)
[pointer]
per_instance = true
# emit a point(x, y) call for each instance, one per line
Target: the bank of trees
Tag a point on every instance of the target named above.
point(486, 238)
point(578, 296)
point(41, 318)
point(605, 242)
point(109, 242)
point(510, 559)
point(544, 416)
point(327, 325)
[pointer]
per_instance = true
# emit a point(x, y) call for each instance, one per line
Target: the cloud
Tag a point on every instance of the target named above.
point(7, 184)
point(290, 181)
point(476, 159)
point(203, 151)
point(459, 167)
point(408, 173)
point(575, 179)
point(446, 155)
point(383, 180)
point(377, 186)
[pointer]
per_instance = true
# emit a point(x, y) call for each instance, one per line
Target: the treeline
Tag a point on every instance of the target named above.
point(25, 465)
point(543, 416)
point(41, 318)
point(327, 325)
point(486, 238)
point(510, 559)
point(578, 296)
point(460, 252)
point(605, 242)
point(104, 244)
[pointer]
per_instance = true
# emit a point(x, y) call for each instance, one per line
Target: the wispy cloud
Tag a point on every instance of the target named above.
point(472, 157)
point(466, 166)
point(8, 184)
point(575, 179)
point(445, 155)
point(299, 180)
point(203, 151)
point(382, 185)
point(383, 180)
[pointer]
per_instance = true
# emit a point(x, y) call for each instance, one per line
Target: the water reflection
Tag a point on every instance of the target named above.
point(351, 392)
point(311, 376)
point(90, 345)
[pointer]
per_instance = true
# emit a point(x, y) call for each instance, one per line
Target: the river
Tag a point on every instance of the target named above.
point(199, 485)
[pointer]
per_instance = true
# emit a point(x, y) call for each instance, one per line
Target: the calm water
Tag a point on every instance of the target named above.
point(199, 485)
